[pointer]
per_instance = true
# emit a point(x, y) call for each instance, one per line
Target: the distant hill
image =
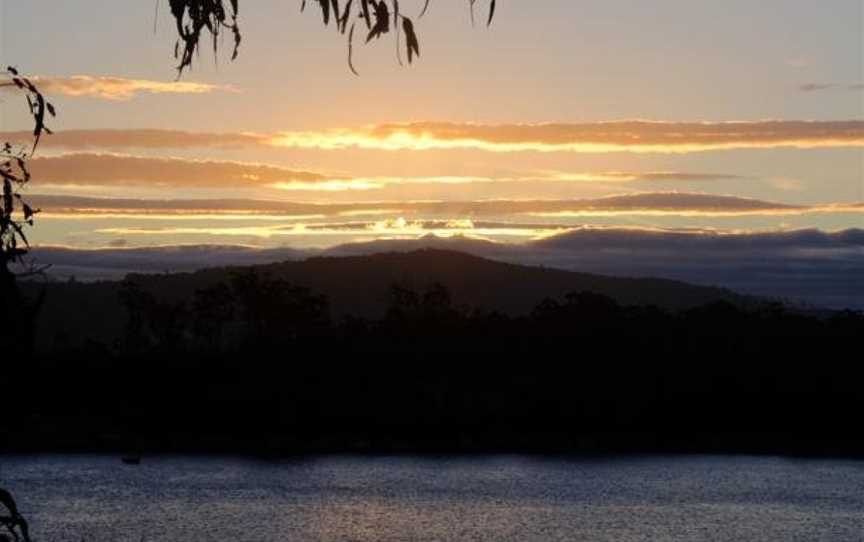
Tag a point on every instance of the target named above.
point(117, 262)
point(359, 285)
point(806, 267)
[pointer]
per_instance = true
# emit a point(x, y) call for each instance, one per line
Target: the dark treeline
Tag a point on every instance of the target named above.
point(256, 364)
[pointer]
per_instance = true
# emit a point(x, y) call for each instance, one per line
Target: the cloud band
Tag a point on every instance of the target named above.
point(596, 137)
point(117, 88)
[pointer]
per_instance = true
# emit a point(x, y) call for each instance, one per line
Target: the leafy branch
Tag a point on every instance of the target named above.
point(13, 523)
point(15, 212)
point(379, 17)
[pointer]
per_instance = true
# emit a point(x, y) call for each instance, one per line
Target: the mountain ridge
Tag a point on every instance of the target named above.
point(360, 286)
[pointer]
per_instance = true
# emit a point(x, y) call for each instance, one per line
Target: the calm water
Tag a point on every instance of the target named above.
point(689, 499)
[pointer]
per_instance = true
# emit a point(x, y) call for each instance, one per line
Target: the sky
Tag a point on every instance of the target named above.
point(670, 115)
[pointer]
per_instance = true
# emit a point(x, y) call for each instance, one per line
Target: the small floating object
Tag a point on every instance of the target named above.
point(131, 459)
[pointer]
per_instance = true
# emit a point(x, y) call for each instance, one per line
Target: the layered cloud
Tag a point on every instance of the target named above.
point(139, 139)
point(124, 170)
point(110, 169)
point(639, 204)
point(118, 88)
point(686, 204)
point(592, 137)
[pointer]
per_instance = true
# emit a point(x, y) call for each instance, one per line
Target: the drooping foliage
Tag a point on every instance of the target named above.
point(15, 213)
point(193, 17)
point(13, 522)
point(196, 18)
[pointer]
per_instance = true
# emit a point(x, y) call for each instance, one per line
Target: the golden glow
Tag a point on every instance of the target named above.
point(118, 88)
point(88, 171)
point(329, 186)
point(638, 204)
point(369, 212)
point(637, 136)
point(599, 137)
point(179, 215)
point(398, 227)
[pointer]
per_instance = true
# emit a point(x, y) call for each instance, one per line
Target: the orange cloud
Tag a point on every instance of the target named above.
point(119, 88)
point(593, 137)
point(393, 228)
point(125, 170)
point(101, 169)
point(139, 139)
point(639, 204)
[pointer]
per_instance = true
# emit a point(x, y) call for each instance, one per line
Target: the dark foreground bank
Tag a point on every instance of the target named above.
point(257, 365)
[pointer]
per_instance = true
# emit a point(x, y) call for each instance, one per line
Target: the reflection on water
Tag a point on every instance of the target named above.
point(97, 498)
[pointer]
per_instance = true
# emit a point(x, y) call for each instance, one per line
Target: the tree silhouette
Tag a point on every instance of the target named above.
point(16, 315)
point(14, 523)
point(273, 310)
point(15, 213)
point(410, 308)
point(196, 19)
point(138, 305)
point(213, 309)
point(151, 322)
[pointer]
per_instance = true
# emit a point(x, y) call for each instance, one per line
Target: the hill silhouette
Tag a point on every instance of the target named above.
point(803, 267)
point(431, 350)
point(360, 285)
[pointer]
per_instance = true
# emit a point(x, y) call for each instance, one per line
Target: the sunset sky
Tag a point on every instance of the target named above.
point(670, 114)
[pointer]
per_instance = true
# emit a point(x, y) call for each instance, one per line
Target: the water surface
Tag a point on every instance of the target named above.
point(191, 499)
